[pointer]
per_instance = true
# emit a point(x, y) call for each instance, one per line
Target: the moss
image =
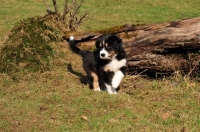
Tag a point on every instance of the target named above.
point(110, 30)
point(28, 45)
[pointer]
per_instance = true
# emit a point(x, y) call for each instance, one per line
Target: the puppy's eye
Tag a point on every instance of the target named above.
point(108, 48)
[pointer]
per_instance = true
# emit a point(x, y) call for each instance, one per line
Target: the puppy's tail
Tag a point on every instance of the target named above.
point(74, 48)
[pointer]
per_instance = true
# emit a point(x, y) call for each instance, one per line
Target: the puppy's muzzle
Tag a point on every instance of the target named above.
point(103, 55)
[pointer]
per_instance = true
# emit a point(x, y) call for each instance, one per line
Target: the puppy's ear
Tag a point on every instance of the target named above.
point(98, 42)
point(116, 41)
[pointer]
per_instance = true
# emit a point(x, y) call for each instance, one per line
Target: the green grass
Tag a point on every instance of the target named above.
point(56, 100)
point(104, 14)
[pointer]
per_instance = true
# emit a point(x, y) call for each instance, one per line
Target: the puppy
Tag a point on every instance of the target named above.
point(106, 66)
point(111, 62)
point(89, 64)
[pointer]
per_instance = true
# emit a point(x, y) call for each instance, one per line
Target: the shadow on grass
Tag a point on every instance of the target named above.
point(83, 78)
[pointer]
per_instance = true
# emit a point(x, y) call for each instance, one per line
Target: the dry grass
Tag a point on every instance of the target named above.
point(56, 101)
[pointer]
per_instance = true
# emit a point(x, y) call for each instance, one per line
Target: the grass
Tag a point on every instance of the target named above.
point(104, 14)
point(56, 100)
point(51, 102)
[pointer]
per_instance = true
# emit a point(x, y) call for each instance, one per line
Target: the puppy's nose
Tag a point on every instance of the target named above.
point(102, 55)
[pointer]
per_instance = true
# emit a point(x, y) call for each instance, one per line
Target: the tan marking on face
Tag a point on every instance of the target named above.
point(95, 80)
point(106, 44)
point(111, 53)
point(101, 45)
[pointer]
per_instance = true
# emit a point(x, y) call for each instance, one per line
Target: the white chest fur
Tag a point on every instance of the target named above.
point(115, 65)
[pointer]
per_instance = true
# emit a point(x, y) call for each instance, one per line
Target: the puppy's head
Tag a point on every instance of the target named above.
point(108, 46)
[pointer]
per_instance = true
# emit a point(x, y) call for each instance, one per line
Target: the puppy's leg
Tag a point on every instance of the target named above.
point(110, 89)
point(95, 82)
point(107, 77)
point(118, 77)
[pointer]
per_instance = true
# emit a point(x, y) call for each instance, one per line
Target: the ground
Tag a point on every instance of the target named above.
point(56, 100)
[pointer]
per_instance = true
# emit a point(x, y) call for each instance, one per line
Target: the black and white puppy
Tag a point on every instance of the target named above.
point(106, 66)
point(89, 64)
point(111, 62)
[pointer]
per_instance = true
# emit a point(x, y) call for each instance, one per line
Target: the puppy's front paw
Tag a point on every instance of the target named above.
point(113, 93)
point(106, 68)
point(97, 89)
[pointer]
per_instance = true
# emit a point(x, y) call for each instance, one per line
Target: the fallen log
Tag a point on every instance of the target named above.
point(157, 49)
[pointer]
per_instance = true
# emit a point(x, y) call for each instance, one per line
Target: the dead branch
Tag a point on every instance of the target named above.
point(73, 18)
point(65, 9)
point(55, 6)
point(47, 6)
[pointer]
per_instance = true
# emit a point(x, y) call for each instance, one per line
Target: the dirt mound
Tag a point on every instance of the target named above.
point(29, 46)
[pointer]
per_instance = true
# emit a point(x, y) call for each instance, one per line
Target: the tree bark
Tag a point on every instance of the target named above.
point(158, 49)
